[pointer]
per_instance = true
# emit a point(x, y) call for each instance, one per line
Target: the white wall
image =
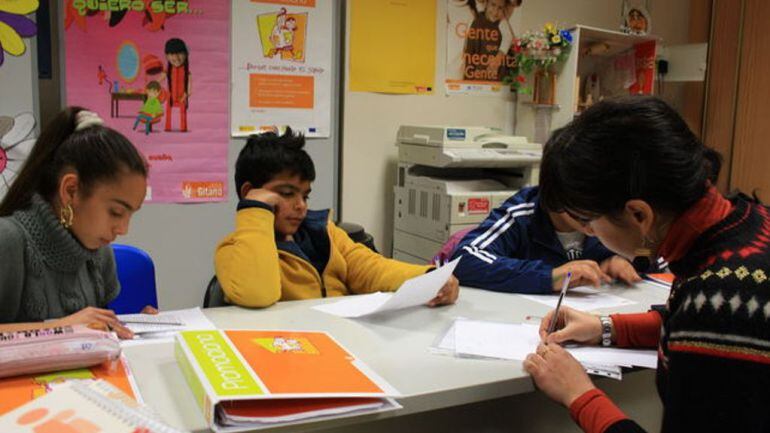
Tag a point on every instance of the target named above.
point(370, 120)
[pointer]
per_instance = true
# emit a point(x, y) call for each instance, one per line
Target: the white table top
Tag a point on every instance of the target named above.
point(395, 346)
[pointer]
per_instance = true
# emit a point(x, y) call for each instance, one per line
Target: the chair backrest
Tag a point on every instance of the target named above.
point(215, 296)
point(136, 274)
point(448, 249)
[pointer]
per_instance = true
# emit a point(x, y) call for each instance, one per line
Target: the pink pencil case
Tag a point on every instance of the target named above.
point(54, 349)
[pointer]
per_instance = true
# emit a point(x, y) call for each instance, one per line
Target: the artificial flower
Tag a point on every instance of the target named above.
point(556, 39)
point(550, 28)
point(14, 26)
point(16, 141)
point(567, 36)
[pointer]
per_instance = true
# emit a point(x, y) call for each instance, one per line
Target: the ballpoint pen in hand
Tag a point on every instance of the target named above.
point(555, 318)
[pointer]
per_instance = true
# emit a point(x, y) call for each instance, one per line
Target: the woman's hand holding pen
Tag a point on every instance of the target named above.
point(555, 371)
point(572, 326)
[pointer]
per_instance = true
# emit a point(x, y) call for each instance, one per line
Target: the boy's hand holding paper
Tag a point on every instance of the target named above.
point(432, 288)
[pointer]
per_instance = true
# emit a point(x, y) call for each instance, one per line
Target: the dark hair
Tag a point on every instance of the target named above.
point(177, 46)
point(268, 154)
point(97, 153)
point(153, 85)
point(623, 149)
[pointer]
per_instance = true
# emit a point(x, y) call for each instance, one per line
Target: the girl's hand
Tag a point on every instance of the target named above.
point(97, 318)
point(149, 309)
point(557, 373)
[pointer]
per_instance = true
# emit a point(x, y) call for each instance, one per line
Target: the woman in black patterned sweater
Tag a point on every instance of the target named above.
point(637, 177)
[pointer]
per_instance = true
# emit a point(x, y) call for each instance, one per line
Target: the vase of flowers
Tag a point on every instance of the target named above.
point(537, 53)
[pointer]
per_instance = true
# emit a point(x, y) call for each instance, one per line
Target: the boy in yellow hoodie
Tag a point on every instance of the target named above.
point(281, 251)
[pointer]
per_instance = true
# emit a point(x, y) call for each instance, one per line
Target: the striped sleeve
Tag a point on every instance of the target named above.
point(490, 255)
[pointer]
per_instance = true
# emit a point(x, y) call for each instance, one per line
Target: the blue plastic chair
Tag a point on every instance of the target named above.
point(136, 274)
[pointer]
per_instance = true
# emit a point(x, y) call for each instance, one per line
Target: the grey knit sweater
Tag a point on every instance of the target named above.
point(45, 273)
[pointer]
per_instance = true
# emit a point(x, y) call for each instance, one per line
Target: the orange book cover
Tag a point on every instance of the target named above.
point(18, 390)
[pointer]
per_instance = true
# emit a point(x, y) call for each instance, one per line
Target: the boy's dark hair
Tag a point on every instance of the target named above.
point(153, 85)
point(97, 153)
point(623, 149)
point(268, 154)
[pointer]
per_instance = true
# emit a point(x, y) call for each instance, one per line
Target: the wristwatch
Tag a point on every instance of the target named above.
point(606, 330)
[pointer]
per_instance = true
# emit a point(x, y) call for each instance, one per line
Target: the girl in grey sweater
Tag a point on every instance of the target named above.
point(74, 195)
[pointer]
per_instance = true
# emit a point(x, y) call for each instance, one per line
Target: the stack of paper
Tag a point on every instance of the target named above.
point(473, 338)
point(268, 413)
point(251, 379)
point(164, 325)
point(413, 292)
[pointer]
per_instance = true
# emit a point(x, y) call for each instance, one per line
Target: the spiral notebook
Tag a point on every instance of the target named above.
point(88, 407)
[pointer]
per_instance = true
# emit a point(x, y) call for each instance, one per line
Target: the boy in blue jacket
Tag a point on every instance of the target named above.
point(520, 248)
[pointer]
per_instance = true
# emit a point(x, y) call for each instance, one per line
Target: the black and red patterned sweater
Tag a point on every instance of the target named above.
point(713, 338)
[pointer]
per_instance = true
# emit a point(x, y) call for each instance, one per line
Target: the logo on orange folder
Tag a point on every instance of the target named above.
point(298, 346)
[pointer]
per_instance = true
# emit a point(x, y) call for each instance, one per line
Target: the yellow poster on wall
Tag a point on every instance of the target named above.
point(393, 46)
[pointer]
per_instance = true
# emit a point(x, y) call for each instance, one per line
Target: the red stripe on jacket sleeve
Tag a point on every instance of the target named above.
point(637, 330)
point(594, 412)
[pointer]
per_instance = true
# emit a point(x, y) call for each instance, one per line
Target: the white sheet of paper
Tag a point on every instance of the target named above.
point(414, 291)
point(495, 340)
point(151, 332)
point(582, 298)
point(516, 341)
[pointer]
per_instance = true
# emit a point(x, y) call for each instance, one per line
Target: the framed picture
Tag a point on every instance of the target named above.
point(636, 18)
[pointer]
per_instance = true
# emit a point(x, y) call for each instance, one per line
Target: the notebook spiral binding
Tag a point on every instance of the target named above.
point(132, 417)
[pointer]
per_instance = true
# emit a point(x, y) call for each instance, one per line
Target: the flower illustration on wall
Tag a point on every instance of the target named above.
point(14, 26)
point(16, 141)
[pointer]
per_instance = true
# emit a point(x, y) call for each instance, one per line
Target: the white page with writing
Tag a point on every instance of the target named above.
point(152, 330)
point(413, 292)
point(582, 298)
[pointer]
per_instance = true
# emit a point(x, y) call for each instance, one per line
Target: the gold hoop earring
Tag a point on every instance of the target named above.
point(643, 256)
point(66, 214)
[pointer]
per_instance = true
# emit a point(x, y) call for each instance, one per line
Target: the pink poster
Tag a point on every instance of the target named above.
point(157, 71)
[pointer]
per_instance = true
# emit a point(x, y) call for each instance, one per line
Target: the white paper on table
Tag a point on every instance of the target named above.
point(616, 356)
point(516, 341)
point(152, 332)
point(414, 291)
point(495, 340)
point(582, 298)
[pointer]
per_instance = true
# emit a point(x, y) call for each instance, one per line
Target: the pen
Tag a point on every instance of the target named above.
point(555, 318)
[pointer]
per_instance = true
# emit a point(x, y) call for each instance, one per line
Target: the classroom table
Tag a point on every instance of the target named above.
point(395, 346)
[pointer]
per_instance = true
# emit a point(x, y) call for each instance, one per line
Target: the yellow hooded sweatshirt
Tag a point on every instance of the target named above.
point(255, 270)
